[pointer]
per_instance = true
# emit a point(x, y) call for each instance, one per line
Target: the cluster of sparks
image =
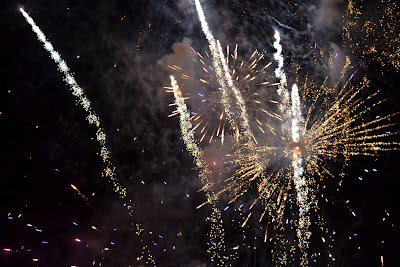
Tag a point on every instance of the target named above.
point(332, 129)
point(375, 37)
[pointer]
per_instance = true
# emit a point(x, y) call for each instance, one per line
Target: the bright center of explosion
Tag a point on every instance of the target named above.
point(297, 147)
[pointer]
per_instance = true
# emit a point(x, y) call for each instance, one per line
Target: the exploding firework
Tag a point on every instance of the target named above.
point(205, 102)
point(318, 128)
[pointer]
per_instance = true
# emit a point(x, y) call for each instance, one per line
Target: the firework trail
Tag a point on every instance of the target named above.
point(299, 179)
point(217, 231)
point(280, 73)
point(226, 83)
point(83, 101)
point(297, 161)
point(77, 91)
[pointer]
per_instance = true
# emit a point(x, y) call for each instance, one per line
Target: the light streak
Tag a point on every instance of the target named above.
point(280, 73)
point(81, 195)
point(83, 101)
point(216, 232)
point(226, 84)
point(300, 182)
point(78, 92)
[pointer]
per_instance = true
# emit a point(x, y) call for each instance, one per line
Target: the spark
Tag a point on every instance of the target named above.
point(82, 196)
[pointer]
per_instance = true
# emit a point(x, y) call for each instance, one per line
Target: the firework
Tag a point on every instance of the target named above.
point(329, 126)
point(216, 232)
point(77, 91)
point(246, 75)
point(237, 114)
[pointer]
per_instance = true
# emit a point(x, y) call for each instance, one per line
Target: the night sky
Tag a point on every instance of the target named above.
point(117, 51)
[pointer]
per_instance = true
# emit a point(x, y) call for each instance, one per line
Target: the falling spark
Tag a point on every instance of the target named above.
point(81, 195)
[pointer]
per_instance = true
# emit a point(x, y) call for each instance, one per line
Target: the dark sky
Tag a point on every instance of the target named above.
point(114, 49)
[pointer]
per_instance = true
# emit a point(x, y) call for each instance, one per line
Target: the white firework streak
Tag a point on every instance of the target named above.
point(217, 231)
point(225, 81)
point(82, 99)
point(295, 115)
point(92, 118)
point(299, 180)
point(280, 73)
point(242, 107)
point(188, 134)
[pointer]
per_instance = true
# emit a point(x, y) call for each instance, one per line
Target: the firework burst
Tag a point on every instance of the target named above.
point(318, 128)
